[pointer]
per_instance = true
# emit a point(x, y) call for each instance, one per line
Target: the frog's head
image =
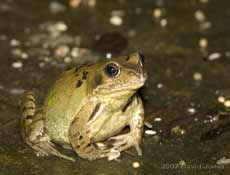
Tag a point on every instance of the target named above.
point(119, 75)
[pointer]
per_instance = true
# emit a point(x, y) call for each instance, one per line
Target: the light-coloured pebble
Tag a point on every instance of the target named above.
point(204, 1)
point(74, 3)
point(197, 76)
point(191, 110)
point(157, 119)
point(227, 103)
point(214, 56)
point(75, 52)
point(14, 42)
point(150, 132)
point(203, 43)
point(17, 64)
point(159, 85)
point(221, 99)
point(157, 13)
point(56, 7)
point(116, 20)
point(61, 51)
point(227, 54)
point(67, 60)
point(108, 55)
point(163, 22)
point(200, 16)
point(41, 64)
point(136, 165)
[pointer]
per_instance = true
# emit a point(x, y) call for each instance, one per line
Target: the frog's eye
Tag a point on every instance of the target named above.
point(141, 60)
point(112, 70)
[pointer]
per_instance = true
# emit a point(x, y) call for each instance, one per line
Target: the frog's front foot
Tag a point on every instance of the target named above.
point(125, 141)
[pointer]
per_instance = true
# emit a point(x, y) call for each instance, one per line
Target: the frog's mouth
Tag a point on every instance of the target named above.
point(122, 85)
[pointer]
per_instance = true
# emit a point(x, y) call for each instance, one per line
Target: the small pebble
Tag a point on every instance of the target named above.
point(61, 51)
point(191, 110)
point(158, 119)
point(136, 164)
point(74, 3)
point(227, 103)
point(67, 59)
point(116, 20)
point(41, 64)
point(56, 7)
point(157, 13)
point(221, 99)
point(204, 1)
point(214, 56)
point(197, 76)
point(14, 42)
point(159, 85)
point(108, 55)
point(203, 43)
point(163, 22)
point(200, 16)
point(75, 52)
point(150, 132)
point(17, 64)
point(227, 54)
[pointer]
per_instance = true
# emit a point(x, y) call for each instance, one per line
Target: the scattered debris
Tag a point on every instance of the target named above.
point(163, 22)
point(157, 119)
point(150, 132)
point(197, 76)
point(116, 20)
point(14, 42)
point(136, 165)
point(191, 110)
point(157, 13)
point(56, 7)
point(214, 56)
point(200, 16)
point(221, 99)
point(203, 43)
point(17, 64)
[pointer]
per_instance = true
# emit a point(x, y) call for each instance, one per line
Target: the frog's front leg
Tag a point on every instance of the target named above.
point(136, 124)
point(80, 138)
point(33, 129)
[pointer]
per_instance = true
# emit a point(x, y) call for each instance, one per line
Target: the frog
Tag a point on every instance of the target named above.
point(89, 106)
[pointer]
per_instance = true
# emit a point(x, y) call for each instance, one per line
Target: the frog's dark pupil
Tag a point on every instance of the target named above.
point(111, 70)
point(142, 58)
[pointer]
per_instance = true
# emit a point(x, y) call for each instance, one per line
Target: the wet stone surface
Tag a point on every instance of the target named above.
point(186, 97)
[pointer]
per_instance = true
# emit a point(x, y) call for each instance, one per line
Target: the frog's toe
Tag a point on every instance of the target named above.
point(125, 141)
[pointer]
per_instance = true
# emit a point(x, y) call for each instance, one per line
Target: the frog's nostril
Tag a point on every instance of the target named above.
point(141, 59)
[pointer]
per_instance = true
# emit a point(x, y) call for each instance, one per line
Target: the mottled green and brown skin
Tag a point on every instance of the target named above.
point(87, 105)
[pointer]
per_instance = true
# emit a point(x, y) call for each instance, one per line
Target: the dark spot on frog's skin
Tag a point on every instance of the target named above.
point(97, 107)
point(79, 83)
point(29, 117)
point(84, 76)
point(98, 80)
point(129, 102)
point(27, 108)
point(127, 59)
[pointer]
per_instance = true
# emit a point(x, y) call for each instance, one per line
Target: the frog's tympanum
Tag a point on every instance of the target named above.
point(88, 107)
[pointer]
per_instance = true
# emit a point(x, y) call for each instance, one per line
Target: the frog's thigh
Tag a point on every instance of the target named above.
point(33, 129)
point(79, 133)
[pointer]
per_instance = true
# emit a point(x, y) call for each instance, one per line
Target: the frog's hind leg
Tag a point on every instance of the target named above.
point(33, 129)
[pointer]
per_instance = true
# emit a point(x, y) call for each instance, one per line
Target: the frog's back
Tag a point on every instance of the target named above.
point(63, 102)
